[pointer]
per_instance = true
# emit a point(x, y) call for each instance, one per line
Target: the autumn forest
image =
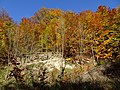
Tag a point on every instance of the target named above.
point(78, 38)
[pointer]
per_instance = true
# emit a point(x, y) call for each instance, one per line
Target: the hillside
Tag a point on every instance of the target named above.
point(61, 50)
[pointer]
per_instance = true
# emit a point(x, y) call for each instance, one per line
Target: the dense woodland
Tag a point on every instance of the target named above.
point(74, 35)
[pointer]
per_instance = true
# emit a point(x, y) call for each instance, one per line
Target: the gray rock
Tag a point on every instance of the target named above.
point(94, 74)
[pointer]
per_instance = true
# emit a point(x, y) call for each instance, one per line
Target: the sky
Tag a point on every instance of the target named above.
point(17, 9)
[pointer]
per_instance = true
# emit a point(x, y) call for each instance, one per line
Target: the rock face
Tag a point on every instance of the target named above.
point(55, 61)
point(104, 73)
point(95, 74)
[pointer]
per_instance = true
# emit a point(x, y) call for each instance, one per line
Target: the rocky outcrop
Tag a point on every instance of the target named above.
point(102, 72)
point(95, 74)
point(55, 61)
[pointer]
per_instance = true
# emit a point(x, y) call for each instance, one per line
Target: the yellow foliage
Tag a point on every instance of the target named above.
point(68, 59)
